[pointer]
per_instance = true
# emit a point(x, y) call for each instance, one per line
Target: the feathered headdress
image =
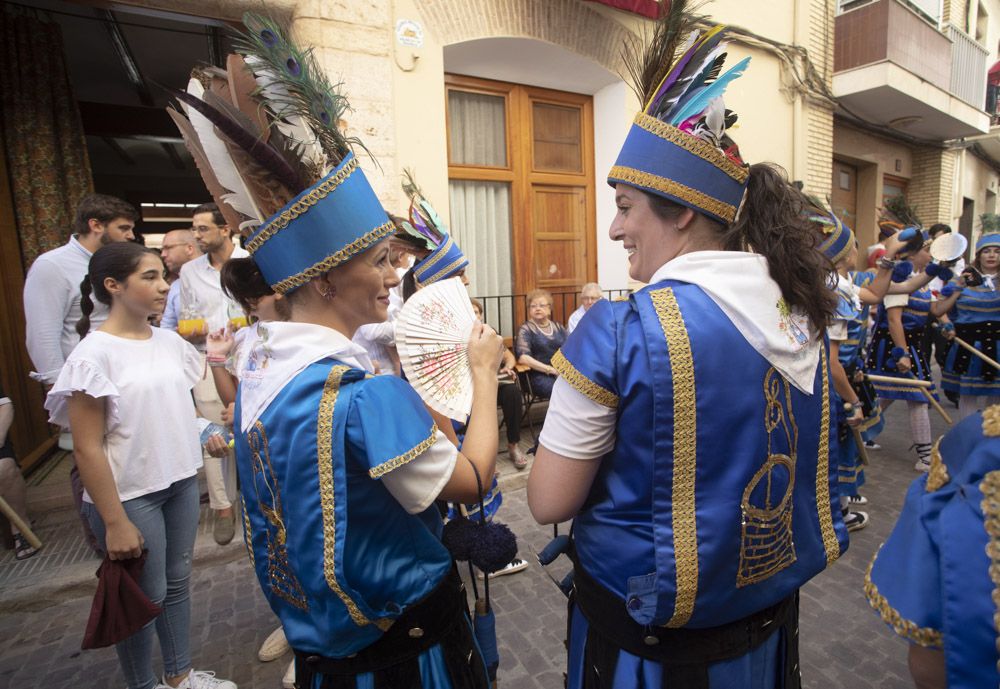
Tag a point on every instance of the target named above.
point(425, 225)
point(265, 134)
point(835, 237)
point(678, 147)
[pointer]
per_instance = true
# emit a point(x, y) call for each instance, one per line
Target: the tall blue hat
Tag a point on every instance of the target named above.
point(837, 238)
point(988, 239)
point(265, 134)
point(446, 258)
point(678, 147)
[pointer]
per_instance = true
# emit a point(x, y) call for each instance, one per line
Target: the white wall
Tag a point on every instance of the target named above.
point(614, 107)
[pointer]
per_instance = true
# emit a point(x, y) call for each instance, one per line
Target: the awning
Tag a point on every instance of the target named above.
point(646, 8)
point(994, 74)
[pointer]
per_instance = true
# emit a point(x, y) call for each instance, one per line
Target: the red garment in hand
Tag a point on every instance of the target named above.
point(120, 608)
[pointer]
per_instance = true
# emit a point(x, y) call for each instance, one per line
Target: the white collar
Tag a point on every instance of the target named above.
point(280, 352)
point(75, 242)
point(740, 284)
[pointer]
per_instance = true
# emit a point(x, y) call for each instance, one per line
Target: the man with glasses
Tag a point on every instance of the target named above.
point(178, 248)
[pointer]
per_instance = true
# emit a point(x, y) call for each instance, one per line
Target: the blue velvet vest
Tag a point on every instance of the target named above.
point(976, 305)
point(336, 555)
point(719, 496)
point(915, 313)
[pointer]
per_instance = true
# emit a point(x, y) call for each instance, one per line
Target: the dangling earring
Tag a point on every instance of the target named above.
point(327, 293)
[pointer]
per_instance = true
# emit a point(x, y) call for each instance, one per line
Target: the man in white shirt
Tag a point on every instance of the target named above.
point(178, 248)
point(52, 297)
point(201, 297)
point(589, 295)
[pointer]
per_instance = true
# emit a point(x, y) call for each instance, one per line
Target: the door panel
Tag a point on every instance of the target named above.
point(845, 193)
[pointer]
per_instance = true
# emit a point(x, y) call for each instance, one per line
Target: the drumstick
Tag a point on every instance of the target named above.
point(930, 399)
point(962, 343)
point(15, 519)
point(858, 440)
point(914, 382)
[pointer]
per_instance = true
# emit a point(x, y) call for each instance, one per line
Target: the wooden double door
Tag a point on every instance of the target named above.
point(533, 150)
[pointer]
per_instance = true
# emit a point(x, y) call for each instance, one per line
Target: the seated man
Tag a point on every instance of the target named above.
point(589, 295)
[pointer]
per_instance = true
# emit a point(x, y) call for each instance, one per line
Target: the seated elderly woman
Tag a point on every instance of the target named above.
point(537, 342)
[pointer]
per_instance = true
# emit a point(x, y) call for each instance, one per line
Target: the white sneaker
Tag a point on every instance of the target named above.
point(200, 679)
point(512, 567)
point(922, 465)
point(288, 681)
point(274, 646)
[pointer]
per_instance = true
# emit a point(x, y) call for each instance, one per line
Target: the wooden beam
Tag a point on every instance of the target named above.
point(118, 149)
point(120, 45)
point(175, 157)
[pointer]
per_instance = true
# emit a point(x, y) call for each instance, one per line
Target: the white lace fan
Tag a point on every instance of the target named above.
point(432, 340)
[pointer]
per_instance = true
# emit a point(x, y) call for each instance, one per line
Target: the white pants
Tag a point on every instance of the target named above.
point(220, 473)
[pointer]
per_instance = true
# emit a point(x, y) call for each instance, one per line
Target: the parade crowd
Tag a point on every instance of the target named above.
point(707, 436)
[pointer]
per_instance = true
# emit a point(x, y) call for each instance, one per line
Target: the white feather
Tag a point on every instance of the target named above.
point(222, 163)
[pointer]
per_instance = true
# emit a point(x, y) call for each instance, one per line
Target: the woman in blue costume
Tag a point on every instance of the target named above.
point(936, 581)
point(897, 351)
point(339, 469)
point(689, 435)
point(975, 313)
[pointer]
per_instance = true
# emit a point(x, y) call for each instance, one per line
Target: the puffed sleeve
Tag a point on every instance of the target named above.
point(588, 359)
point(904, 581)
point(81, 375)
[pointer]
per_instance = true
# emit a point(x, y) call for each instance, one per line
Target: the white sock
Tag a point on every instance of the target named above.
point(920, 423)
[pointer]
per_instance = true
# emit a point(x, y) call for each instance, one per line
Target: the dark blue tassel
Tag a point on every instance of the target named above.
point(494, 546)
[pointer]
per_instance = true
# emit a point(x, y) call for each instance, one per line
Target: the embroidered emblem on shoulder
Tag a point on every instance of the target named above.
point(766, 545)
point(281, 578)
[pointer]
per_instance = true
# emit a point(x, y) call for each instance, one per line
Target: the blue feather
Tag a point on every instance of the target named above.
point(706, 94)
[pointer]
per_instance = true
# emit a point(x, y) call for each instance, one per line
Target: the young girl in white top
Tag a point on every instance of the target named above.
point(125, 393)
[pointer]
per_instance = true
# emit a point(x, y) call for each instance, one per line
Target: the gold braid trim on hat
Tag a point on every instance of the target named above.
point(924, 636)
point(282, 220)
point(334, 259)
point(693, 144)
point(444, 271)
point(696, 198)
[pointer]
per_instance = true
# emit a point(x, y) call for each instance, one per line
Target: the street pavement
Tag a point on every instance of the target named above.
point(843, 642)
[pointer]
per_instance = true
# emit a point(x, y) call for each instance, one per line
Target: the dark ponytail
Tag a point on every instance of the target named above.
point(243, 282)
point(772, 223)
point(117, 260)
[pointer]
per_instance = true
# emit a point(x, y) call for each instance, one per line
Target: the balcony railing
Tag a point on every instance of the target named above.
point(968, 68)
point(506, 313)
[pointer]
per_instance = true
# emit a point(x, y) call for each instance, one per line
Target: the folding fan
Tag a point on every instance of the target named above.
point(432, 340)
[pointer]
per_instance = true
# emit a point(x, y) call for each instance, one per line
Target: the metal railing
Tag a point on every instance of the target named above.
point(968, 68)
point(506, 313)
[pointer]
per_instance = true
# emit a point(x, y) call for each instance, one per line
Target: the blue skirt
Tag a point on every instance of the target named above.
point(879, 356)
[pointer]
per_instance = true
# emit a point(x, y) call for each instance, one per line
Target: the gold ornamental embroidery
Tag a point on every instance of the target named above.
point(990, 488)
point(582, 383)
point(823, 505)
point(324, 462)
point(334, 259)
point(991, 421)
point(247, 533)
point(669, 186)
point(396, 462)
point(693, 144)
point(937, 475)
point(281, 579)
point(925, 636)
point(766, 545)
point(301, 206)
point(685, 453)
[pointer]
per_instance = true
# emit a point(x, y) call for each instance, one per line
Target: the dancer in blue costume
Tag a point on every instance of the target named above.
point(936, 581)
point(897, 350)
point(339, 469)
point(975, 313)
point(847, 329)
point(690, 435)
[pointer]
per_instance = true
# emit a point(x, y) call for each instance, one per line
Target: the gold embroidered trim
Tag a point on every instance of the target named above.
point(324, 462)
point(924, 636)
point(301, 206)
point(582, 383)
point(396, 462)
point(247, 534)
point(823, 507)
point(990, 488)
point(693, 144)
point(334, 259)
point(444, 271)
point(685, 453)
point(991, 421)
point(766, 544)
point(668, 186)
point(937, 475)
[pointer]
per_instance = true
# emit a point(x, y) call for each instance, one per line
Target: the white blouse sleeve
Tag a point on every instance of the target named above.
point(80, 375)
point(576, 426)
point(894, 300)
